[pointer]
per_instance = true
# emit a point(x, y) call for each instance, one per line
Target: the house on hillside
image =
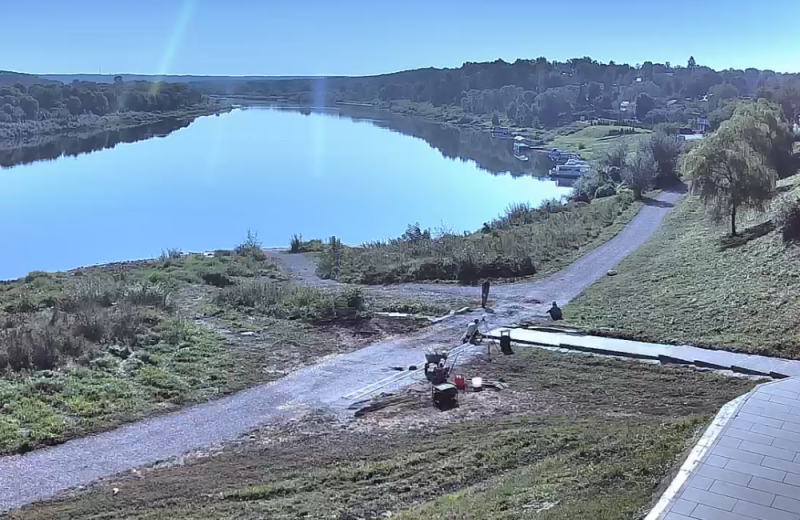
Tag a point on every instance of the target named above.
point(627, 107)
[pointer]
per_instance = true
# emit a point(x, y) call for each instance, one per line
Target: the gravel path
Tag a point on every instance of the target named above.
point(332, 384)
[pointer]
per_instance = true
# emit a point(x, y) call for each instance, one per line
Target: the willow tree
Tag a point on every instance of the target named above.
point(728, 172)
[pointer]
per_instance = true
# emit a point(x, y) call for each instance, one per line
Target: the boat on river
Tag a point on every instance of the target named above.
point(572, 169)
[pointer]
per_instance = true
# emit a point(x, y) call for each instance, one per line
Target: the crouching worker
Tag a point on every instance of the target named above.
point(555, 312)
point(473, 334)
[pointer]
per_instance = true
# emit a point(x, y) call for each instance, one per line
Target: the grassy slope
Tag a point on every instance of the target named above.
point(683, 286)
point(592, 141)
point(575, 445)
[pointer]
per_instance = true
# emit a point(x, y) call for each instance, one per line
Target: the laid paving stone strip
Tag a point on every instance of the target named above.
point(746, 465)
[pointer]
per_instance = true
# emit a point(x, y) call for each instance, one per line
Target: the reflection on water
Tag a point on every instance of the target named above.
point(74, 145)
point(494, 155)
point(491, 154)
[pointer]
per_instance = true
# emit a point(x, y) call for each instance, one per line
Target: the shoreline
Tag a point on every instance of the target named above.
point(29, 136)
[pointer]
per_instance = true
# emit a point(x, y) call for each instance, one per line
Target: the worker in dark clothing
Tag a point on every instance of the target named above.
point(484, 293)
point(555, 312)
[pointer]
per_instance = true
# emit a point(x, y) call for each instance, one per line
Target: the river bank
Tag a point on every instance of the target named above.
point(26, 134)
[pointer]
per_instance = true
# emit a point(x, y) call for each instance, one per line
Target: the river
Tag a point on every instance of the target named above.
point(124, 195)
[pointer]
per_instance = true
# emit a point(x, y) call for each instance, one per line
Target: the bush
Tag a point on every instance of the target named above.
point(217, 279)
point(639, 171)
point(606, 190)
point(330, 262)
point(33, 275)
point(290, 302)
point(251, 247)
point(296, 244)
point(788, 219)
point(666, 151)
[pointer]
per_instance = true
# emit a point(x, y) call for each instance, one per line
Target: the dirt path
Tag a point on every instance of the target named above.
point(331, 384)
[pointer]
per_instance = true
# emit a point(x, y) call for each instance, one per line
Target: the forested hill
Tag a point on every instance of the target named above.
point(30, 98)
point(549, 93)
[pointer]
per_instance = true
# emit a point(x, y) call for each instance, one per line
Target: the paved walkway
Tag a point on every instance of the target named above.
point(746, 466)
point(332, 384)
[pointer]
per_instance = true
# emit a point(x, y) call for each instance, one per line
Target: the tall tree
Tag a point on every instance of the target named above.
point(639, 170)
point(727, 173)
point(665, 151)
point(644, 104)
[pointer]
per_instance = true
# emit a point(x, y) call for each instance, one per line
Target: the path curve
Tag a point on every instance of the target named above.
point(331, 384)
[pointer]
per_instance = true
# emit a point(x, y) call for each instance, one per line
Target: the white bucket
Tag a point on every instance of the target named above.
point(477, 382)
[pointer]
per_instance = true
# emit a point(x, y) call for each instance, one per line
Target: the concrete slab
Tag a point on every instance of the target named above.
point(667, 354)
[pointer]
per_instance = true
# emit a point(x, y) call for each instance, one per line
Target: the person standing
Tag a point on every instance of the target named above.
point(485, 293)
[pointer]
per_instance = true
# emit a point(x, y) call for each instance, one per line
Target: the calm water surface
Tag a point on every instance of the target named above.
point(276, 172)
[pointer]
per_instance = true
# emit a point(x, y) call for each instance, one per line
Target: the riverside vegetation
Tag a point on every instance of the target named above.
point(523, 242)
point(34, 107)
point(86, 350)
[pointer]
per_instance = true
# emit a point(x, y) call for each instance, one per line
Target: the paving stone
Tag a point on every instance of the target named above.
point(708, 498)
point(703, 512)
point(683, 507)
point(736, 454)
point(772, 451)
point(761, 419)
point(770, 486)
point(778, 391)
point(763, 513)
point(676, 516)
point(716, 461)
point(784, 444)
point(793, 479)
point(760, 438)
point(787, 504)
point(742, 424)
point(743, 493)
point(783, 400)
point(772, 462)
point(701, 482)
point(728, 442)
point(756, 470)
point(725, 475)
point(776, 432)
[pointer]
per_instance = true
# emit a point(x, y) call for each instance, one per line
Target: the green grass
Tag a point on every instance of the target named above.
point(47, 407)
point(689, 284)
point(575, 446)
point(523, 242)
point(592, 141)
point(87, 350)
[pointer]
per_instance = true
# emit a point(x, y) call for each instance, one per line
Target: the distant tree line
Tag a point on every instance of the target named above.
point(48, 101)
point(532, 93)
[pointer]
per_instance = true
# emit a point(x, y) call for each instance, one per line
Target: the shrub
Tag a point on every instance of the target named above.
point(33, 275)
point(639, 171)
point(330, 262)
point(147, 294)
point(251, 247)
point(296, 244)
point(217, 279)
point(17, 349)
point(788, 218)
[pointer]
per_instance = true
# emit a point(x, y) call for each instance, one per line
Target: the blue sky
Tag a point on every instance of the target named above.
point(314, 37)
